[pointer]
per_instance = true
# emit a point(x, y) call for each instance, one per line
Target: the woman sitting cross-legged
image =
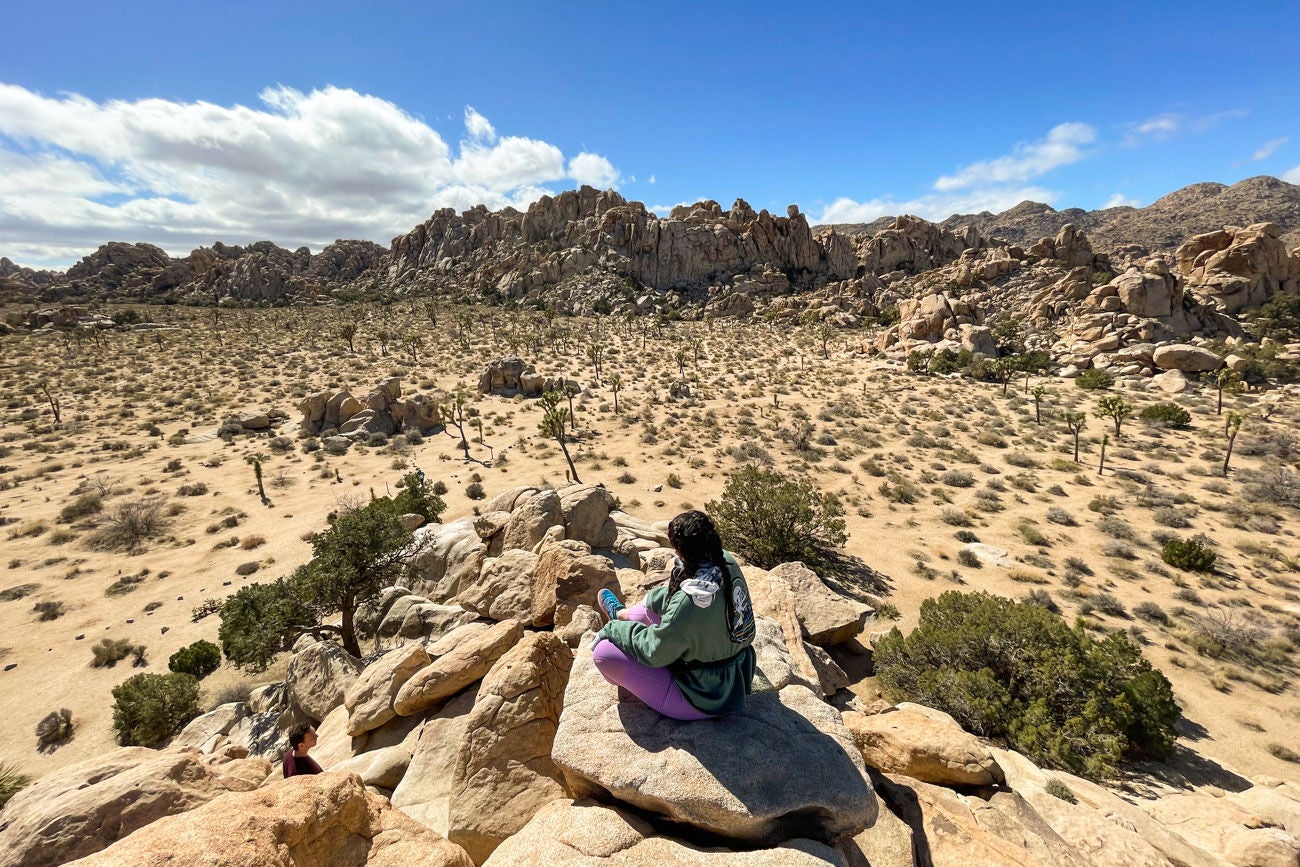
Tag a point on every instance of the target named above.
point(686, 651)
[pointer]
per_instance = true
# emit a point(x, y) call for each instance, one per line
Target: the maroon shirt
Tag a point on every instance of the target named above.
point(295, 765)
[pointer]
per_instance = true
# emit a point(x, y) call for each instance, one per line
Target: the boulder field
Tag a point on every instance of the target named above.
point(478, 731)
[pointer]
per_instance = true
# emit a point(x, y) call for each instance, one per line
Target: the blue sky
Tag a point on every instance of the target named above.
point(182, 123)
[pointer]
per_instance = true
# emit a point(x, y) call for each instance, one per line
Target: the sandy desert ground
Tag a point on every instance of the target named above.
point(915, 460)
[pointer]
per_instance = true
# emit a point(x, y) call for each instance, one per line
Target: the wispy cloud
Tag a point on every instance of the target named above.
point(301, 168)
point(1269, 148)
point(988, 185)
point(1119, 200)
point(1293, 176)
point(1061, 146)
point(1168, 125)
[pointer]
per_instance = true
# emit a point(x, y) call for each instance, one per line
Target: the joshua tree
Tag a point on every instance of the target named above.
point(615, 383)
point(596, 352)
point(55, 407)
point(1114, 407)
point(571, 390)
point(1076, 421)
point(553, 424)
point(454, 413)
point(1232, 427)
point(680, 357)
point(256, 461)
point(348, 331)
point(1219, 379)
point(1037, 393)
point(1101, 464)
point(824, 332)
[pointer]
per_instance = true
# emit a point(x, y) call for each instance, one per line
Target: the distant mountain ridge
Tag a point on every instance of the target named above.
point(1163, 225)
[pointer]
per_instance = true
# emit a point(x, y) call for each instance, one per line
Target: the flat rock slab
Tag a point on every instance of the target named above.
point(988, 553)
point(586, 834)
point(783, 767)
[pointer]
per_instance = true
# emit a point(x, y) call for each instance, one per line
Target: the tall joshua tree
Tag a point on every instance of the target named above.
point(554, 422)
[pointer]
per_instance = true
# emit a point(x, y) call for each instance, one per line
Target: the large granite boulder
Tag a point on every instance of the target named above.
point(826, 617)
point(785, 766)
point(328, 820)
point(80, 809)
point(449, 558)
point(319, 676)
point(370, 699)
point(529, 522)
point(587, 518)
point(566, 833)
point(425, 791)
point(1239, 268)
point(568, 575)
point(504, 772)
point(930, 747)
point(1230, 830)
point(1185, 357)
point(505, 587)
point(452, 672)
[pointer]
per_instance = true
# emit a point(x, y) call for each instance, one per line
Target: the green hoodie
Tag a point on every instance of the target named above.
point(693, 640)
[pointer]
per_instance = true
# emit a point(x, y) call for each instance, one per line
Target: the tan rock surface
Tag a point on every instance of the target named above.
point(85, 807)
point(319, 676)
point(452, 672)
point(568, 575)
point(568, 833)
point(904, 741)
point(826, 617)
point(505, 587)
point(504, 771)
point(425, 791)
point(719, 775)
point(370, 699)
point(328, 819)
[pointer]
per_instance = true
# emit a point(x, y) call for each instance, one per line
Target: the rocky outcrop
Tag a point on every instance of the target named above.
point(370, 698)
point(319, 677)
point(512, 375)
point(568, 833)
point(726, 781)
point(504, 772)
point(261, 271)
point(328, 820)
point(85, 807)
point(825, 617)
point(460, 667)
point(925, 744)
point(1239, 269)
point(383, 411)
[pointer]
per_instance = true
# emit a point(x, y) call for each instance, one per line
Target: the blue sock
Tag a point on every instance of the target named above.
point(609, 602)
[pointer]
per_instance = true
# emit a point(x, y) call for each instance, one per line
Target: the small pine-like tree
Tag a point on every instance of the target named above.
point(199, 659)
point(772, 519)
point(150, 708)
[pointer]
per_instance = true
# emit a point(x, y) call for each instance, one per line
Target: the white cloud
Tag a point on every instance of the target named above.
point(1119, 200)
point(652, 179)
point(303, 168)
point(1293, 176)
point(593, 169)
point(478, 126)
point(1269, 148)
point(933, 207)
point(1160, 126)
point(1165, 126)
point(1062, 146)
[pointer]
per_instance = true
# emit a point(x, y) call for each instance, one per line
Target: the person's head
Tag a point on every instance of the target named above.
point(696, 540)
point(300, 735)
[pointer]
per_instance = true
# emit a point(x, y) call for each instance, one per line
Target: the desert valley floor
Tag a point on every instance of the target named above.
point(915, 460)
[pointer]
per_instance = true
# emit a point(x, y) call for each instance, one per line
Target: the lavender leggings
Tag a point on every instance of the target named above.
point(654, 686)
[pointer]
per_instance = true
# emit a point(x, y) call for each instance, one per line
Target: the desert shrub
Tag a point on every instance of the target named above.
point(150, 708)
point(1057, 789)
point(248, 543)
point(48, 610)
point(957, 479)
point(247, 568)
point(1166, 415)
point(1116, 528)
point(969, 558)
point(198, 660)
point(673, 480)
point(130, 525)
point(1190, 555)
point(54, 728)
point(110, 651)
point(124, 585)
point(955, 517)
point(1093, 379)
point(1014, 670)
point(771, 518)
point(474, 490)
point(1151, 612)
point(197, 489)
point(1057, 515)
point(1284, 753)
point(1104, 505)
point(11, 782)
point(1169, 516)
point(1043, 599)
point(965, 536)
point(1278, 485)
point(1033, 535)
point(83, 506)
